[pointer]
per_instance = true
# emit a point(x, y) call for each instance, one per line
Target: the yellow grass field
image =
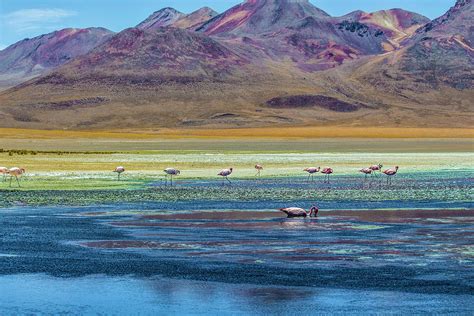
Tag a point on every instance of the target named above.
point(289, 132)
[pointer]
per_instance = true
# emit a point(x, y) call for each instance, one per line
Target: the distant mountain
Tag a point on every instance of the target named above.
point(260, 16)
point(439, 53)
point(195, 19)
point(30, 58)
point(458, 20)
point(260, 63)
point(396, 24)
point(138, 53)
point(161, 18)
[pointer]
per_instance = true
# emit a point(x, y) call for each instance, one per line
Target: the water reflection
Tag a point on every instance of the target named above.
point(100, 294)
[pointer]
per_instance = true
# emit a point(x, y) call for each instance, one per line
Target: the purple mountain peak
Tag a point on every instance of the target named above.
point(161, 18)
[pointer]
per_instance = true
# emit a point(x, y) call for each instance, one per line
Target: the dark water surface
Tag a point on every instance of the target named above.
point(174, 259)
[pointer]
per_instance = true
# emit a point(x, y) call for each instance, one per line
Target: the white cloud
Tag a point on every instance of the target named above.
point(34, 19)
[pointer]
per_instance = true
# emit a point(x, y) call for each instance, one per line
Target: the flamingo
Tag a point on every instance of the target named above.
point(390, 173)
point(171, 172)
point(4, 171)
point(225, 173)
point(311, 171)
point(366, 171)
point(119, 171)
point(16, 172)
point(299, 212)
point(327, 171)
point(258, 168)
point(376, 168)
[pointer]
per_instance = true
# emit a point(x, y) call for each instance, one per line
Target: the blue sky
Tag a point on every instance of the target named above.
point(21, 19)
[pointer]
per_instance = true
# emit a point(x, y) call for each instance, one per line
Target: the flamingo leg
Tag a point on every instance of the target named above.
point(11, 177)
point(228, 179)
point(171, 180)
point(17, 181)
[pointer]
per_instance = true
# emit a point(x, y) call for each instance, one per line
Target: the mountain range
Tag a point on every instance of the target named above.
point(260, 63)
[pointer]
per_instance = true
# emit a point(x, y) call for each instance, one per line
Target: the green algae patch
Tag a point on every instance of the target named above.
point(368, 227)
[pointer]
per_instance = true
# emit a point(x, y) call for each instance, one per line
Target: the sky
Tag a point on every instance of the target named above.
point(21, 19)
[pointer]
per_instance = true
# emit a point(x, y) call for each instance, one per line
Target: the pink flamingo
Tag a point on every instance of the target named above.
point(119, 171)
point(311, 171)
point(366, 171)
point(299, 212)
point(327, 171)
point(225, 173)
point(171, 172)
point(376, 168)
point(16, 172)
point(259, 168)
point(4, 171)
point(390, 173)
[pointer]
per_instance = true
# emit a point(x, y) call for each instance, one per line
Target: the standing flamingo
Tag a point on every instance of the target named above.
point(366, 171)
point(311, 171)
point(299, 212)
point(376, 168)
point(16, 172)
point(259, 168)
point(390, 173)
point(225, 173)
point(327, 171)
point(171, 172)
point(119, 171)
point(4, 171)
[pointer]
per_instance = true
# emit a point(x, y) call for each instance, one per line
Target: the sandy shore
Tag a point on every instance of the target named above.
point(273, 133)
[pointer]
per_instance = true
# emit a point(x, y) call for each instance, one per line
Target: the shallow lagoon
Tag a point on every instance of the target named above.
point(35, 294)
point(82, 242)
point(147, 258)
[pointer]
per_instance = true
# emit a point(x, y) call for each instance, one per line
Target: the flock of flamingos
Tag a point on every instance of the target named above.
point(225, 173)
point(16, 173)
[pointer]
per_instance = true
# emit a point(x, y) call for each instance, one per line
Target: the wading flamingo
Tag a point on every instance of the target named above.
point(376, 168)
point(225, 173)
point(327, 171)
point(4, 171)
point(311, 171)
point(390, 173)
point(366, 171)
point(258, 168)
point(299, 212)
point(119, 171)
point(171, 172)
point(16, 172)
